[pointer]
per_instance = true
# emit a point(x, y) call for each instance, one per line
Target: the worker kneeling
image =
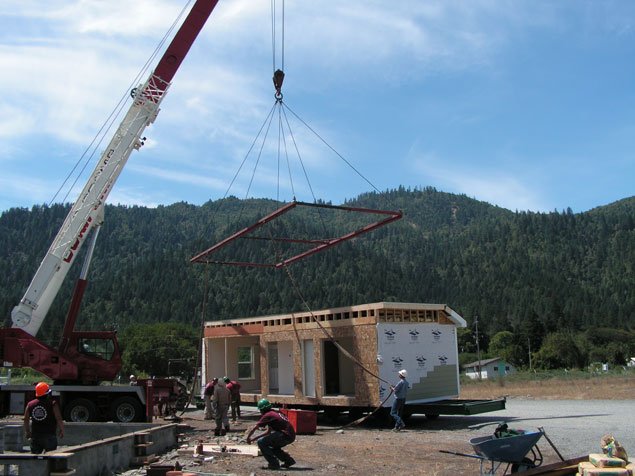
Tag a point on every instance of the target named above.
point(279, 433)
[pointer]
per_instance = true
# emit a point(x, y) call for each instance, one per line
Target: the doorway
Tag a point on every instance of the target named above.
point(339, 370)
point(331, 369)
point(308, 368)
point(272, 358)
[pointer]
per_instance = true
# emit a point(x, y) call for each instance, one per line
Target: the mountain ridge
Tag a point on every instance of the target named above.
point(526, 271)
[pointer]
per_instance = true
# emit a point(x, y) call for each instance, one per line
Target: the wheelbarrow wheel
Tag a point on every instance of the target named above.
point(525, 465)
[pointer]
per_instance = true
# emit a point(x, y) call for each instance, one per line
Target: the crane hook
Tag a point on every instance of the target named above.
point(278, 78)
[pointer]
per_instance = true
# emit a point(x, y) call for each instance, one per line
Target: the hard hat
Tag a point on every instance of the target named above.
point(264, 405)
point(42, 389)
point(403, 372)
point(226, 379)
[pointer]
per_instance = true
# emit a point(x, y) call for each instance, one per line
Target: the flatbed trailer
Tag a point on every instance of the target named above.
point(454, 407)
point(431, 410)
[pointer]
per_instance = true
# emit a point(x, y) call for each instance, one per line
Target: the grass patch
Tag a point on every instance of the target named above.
point(562, 385)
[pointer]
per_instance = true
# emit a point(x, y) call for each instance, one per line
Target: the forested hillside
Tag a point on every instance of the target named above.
point(530, 273)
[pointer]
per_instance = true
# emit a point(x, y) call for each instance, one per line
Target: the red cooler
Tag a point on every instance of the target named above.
point(304, 422)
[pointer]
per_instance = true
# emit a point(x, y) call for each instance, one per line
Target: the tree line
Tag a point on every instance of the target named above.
point(536, 281)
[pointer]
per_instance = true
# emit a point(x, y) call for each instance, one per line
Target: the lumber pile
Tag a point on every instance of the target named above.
point(603, 465)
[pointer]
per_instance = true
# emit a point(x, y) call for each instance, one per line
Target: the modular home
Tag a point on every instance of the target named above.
point(339, 357)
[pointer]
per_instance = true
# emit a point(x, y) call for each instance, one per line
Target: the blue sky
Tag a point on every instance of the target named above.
point(529, 105)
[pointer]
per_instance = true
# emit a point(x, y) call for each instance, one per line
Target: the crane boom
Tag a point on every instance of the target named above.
point(87, 212)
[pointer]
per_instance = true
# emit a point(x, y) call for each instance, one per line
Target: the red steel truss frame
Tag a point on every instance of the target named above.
point(317, 244)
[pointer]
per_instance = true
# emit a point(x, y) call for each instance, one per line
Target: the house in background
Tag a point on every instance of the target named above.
point(490, 368)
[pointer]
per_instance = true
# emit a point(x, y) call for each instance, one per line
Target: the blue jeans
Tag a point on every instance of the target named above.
point(395, 411)
point(271, 448)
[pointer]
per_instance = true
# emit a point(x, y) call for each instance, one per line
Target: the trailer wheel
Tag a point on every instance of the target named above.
point(355, 414)
point(126, 410)
point(332, 414)
point(80, 410)
point(382, 417)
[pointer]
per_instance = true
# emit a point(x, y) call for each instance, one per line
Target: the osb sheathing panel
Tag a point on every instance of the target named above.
point(443, 319)
point(364, 349)
point(356, 322)
point(233, 331)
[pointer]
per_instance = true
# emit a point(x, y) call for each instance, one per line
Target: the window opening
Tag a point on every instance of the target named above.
point(245, 363)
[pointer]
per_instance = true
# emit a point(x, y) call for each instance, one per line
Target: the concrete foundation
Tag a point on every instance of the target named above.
point(87, 449)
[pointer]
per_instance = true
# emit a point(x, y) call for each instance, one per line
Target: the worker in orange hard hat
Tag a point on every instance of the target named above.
point(42, 417)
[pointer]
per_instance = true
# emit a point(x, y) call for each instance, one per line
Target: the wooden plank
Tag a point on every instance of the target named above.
point(561, 468)
point(245, 450)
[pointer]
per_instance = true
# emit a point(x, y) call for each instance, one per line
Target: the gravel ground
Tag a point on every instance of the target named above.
point(574, 426)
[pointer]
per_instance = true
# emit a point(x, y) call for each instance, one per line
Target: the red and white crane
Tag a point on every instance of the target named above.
point(71, 363)
point(87, 211)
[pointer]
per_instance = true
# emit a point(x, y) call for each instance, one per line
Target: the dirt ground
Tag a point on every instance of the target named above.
point(367, 449)
point(372, 448)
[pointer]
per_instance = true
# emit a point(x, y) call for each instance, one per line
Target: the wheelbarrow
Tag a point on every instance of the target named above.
point(517, 451)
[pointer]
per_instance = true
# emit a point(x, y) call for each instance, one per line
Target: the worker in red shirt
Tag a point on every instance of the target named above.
point(279, 433)
point(41, 418)
point(234, 389)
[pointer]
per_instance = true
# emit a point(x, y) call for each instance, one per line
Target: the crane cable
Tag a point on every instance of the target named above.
point(283, 120)
point(274, 34)
point(345, 352)
point(278, 78)
point(92, 148)
point(326, 332)
point(199, 350)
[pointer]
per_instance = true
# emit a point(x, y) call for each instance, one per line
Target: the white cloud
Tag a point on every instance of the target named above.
point(134, 196)
point(103, 47)
point(180, 177)
point(484, 183)
point(20, 190)
point(66, 64)
point(14, 121)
